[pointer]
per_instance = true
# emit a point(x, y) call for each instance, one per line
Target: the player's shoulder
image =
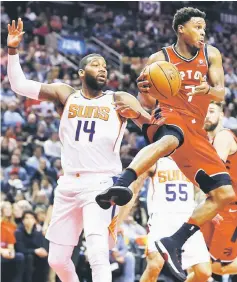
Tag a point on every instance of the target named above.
point(158, 56)
point(225, 134)
point(212, 52)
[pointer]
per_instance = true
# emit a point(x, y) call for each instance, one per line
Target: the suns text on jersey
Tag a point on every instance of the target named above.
point(171, 175)
point(88, 112)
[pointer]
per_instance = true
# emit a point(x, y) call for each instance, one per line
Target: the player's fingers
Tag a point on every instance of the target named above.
point(143, 84)
point(122, 108)
point(20, 25)
point(13, 25)
point(9, 28)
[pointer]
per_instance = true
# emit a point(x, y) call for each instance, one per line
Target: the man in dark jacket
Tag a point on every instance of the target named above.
point(33, 245)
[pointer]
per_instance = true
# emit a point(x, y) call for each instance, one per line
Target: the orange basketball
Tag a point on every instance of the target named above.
point(164, 79)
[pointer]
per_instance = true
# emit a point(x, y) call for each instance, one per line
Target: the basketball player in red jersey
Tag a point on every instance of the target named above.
point(222, 238)
point(177, 129)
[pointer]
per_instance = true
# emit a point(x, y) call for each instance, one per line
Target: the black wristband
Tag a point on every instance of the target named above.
point(10, 47)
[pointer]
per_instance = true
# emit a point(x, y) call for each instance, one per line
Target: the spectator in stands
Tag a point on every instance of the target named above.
point(30, 126)
point(30, 15)
point(17, 213)
point(32, 244)
point(229, 121)
point(7, 94)
point(34, 161)
point(12, 262)
point(52, 147)
point(122, 260)
point(20, 171)
point(4, 16)
point(132, 229)
point(11, 117)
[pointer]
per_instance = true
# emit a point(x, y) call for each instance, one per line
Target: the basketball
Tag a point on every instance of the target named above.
point(164, 79)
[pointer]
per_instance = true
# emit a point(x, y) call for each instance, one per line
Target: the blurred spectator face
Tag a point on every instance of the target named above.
point(31, 119)
point(57, 164)
point(41, 198)
point(42, 164)
point(41, 128)
point(17, 210)
point(54, 137)
point(213, 117)
point(24, 205)
point(29, 221)
point(17, 152)
point(129, 219)
point(131, 44)
point(40, 214)
point(9, 132)
point(15, 160)
point(12, 106)
point(38, 152)
point(6, 209)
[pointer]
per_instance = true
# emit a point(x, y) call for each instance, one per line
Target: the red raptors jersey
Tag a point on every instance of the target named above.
point(191, 71)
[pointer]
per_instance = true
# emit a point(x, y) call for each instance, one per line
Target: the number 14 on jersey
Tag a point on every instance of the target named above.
point(86, 129)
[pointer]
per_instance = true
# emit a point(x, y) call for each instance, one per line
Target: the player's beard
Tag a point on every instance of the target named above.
point(93, 83)
point(210, 127)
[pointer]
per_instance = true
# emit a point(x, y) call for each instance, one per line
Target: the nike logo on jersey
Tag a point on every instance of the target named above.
point(230, 210)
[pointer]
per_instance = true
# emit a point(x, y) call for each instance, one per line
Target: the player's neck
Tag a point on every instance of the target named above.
point(212, 134)
point(89, 93)
point(184, 49)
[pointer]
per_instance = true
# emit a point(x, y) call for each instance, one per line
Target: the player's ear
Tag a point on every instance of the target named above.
point(81, 73)
point(180, 29)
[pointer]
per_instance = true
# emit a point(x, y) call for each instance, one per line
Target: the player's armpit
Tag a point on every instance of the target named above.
point(55, 92)
point(216, 74)
point(222, 144)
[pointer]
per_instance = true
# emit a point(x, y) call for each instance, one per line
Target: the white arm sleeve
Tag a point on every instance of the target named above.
point(18, 81)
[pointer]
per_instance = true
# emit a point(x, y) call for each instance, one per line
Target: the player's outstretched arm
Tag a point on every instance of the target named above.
point(129, 107)
point(19, 83)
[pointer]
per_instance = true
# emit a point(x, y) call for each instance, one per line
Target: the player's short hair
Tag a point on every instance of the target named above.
point(84, 60)
point(183, 15)
point(219, 104)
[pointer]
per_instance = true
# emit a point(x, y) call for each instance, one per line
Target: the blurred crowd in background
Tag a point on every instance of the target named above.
point(30, 146)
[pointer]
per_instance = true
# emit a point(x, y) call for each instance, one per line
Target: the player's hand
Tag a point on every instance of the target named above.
point(202, 89)
point(125, 110)
point(41, 252)
point(217, 219)
point(142, 83)
point(15, 34)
